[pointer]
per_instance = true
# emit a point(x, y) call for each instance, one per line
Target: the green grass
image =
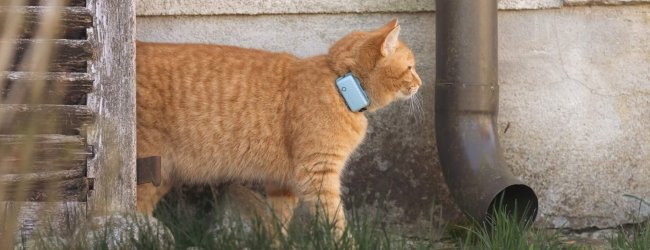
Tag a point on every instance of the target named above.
point(195, 220)
point(506, 232)
point(209, 227)
point(635, 236)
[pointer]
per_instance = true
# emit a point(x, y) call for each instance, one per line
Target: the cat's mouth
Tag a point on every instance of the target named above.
point(406, 94)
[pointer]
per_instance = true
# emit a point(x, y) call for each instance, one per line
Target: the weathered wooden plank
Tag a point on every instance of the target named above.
point(23, 219)
point(68, 185)
point(61, 190)
point(58, 88)
point(74, 20)
point(53, 77)
point(27, 154)
point(69, 55)
point(80, 3)
point(11, 179)
point(114, 167)
point(43, 119)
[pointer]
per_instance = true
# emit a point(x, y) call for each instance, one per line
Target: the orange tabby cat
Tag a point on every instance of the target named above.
point(218, 113)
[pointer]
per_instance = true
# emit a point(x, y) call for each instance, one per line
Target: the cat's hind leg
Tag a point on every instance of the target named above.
point(150, 143)
point(148, 196)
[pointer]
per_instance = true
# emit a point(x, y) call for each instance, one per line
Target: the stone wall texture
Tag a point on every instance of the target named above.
point(575, 96)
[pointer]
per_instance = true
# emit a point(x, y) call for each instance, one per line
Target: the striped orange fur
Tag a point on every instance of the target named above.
point(217, 113)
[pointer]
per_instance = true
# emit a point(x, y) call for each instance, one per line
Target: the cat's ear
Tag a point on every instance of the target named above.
point(390, 25)
point(389, 45)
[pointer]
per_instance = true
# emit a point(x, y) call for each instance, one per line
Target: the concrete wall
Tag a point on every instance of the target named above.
point(575, 94)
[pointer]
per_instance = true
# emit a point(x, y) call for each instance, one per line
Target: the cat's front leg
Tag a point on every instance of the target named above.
point(283, 201)
point(319, 187)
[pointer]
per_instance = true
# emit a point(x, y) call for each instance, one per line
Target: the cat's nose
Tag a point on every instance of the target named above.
point(416, 76)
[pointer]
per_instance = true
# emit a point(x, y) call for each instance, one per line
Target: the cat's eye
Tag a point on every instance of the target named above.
point(410, 67)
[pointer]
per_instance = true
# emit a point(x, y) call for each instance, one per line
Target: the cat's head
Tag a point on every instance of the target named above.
point(383, 63)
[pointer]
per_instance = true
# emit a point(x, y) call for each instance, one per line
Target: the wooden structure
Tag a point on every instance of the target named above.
point(70, 152)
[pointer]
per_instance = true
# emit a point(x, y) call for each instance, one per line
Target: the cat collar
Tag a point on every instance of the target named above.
point(350, 89)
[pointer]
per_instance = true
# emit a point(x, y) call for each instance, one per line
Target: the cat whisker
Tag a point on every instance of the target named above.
point(416, 101)
point(411, 107)
point(420, 104)
point(414, 108)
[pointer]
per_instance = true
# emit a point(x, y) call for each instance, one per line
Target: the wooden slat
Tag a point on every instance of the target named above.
point(27, 154)
point(113, 133)
point(70, 56)
point(11, 179)
point(43, 182)
point(79, 3)
point(75, 20)
point(61, 190)
point(58, 87)
point(27, 218)
point(43, 119)
point(53, 77)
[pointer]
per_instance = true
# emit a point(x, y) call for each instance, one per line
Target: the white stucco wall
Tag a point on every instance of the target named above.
point(256, 7)
point(575, 91)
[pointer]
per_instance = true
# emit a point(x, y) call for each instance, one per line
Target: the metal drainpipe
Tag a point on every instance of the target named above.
point(467, 104)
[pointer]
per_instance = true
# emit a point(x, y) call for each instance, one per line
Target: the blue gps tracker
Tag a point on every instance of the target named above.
point(350, 89)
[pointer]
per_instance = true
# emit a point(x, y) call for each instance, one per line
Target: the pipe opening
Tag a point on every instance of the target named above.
point(515, 201)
